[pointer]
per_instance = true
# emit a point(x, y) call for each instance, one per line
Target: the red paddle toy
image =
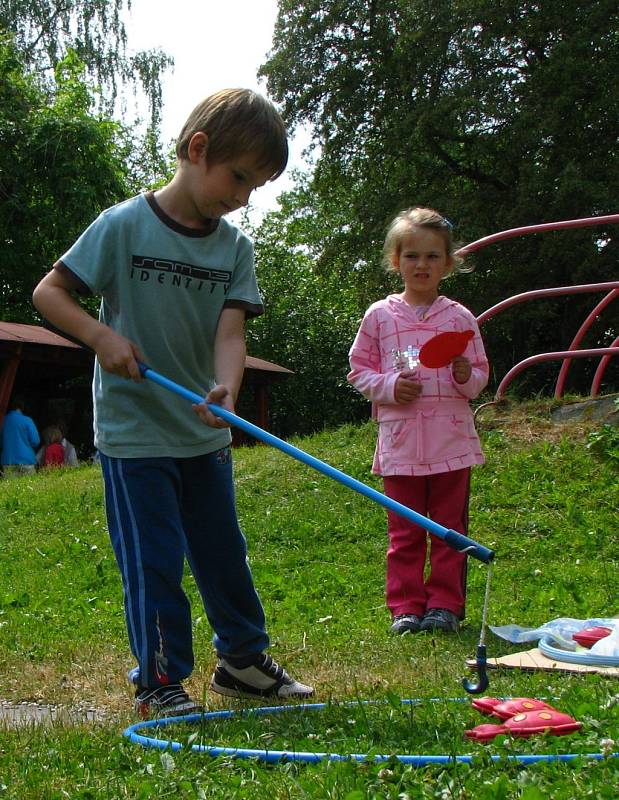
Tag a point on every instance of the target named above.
point(442, 348)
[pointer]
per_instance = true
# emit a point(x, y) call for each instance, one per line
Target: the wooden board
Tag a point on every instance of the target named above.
point(534, 659)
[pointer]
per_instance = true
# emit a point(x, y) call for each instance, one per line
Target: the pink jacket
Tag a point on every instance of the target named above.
point(434, 433)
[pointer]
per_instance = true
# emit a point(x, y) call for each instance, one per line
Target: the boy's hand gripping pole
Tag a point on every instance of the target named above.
point(454, 539)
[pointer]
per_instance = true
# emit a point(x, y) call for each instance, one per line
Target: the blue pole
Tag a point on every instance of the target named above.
point(454, 539)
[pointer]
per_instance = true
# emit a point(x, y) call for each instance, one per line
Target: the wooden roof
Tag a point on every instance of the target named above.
point(33, 334)
point(40, 364)
point(32, 337)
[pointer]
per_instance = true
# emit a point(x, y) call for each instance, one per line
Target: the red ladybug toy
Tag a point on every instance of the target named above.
point(504, 709)
point(522, 717)
point(553, 723)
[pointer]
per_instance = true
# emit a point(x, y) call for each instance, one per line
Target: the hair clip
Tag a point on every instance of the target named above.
point(448, 222)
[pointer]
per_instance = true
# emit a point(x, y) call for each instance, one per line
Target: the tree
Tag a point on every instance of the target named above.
point(59, 165)
point(308, 326)
point(45, 30)
point(499, 114)
point(62, 158)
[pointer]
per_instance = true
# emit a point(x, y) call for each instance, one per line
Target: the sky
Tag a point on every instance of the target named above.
point(215, 44)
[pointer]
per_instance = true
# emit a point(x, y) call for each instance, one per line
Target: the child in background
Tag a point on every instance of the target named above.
point(19, 439)
point(68, 450)
point(53, 454)
point(177, 283)
point(426, 438)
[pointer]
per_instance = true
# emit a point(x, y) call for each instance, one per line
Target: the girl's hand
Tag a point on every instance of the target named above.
point(461, 369)
point(220, 395)
point(407, 387)
point(118, 355)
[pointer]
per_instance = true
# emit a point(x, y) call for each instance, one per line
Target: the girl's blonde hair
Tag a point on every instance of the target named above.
point(52, 435)
point(238, 121)
point(418, 217)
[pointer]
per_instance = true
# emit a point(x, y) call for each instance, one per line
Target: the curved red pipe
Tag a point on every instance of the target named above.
point(597, 378)
point(515, 370)
point(546, 226)
point(558, 290)
point(578, 339)
point(561, 290)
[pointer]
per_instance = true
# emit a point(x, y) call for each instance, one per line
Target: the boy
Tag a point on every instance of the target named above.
point(177, 282)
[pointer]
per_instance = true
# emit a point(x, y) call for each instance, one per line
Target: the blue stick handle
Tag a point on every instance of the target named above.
point(454, 539)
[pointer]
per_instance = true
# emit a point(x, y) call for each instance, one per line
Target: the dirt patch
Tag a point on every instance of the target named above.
point(549, 420)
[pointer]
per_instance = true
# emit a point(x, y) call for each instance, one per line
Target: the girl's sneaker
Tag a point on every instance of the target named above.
point(263, 678)
point(440, 619)
point(165, 701)
point(405, 623)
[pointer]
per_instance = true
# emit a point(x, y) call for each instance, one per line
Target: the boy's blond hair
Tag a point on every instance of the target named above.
point(238, 121)
point(419, 217)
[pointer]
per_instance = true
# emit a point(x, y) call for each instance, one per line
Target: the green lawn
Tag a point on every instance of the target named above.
point(546, 500)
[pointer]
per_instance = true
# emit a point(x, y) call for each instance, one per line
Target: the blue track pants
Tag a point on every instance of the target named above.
point(159, 511)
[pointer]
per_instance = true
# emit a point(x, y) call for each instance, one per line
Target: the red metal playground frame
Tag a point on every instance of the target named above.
point(612, 289)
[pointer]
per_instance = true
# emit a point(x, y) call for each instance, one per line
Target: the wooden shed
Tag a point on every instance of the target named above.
point(54, 375)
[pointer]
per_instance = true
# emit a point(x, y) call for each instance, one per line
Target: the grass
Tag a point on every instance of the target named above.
point(546, 500)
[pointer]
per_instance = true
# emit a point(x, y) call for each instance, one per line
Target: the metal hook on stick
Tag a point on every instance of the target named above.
point(480, 658)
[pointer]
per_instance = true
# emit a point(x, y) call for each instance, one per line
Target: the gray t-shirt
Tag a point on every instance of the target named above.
point(163, 286)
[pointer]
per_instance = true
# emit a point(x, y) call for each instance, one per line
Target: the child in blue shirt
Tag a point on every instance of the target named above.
point(177, 282)
point(19, 439)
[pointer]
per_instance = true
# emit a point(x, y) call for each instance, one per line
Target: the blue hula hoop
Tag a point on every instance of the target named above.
point(547, 644)
point(277, 756)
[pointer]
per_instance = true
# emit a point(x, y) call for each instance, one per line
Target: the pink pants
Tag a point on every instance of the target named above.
point(444, 498)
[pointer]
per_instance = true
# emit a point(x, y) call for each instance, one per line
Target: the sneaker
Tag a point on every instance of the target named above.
point(134, 676)
point(264, 678)
point(440, 619)
point(165, 701)
point(405, 623)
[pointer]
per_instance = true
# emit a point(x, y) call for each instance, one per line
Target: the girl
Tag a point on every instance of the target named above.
point(53, 450)
point(426, 441)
